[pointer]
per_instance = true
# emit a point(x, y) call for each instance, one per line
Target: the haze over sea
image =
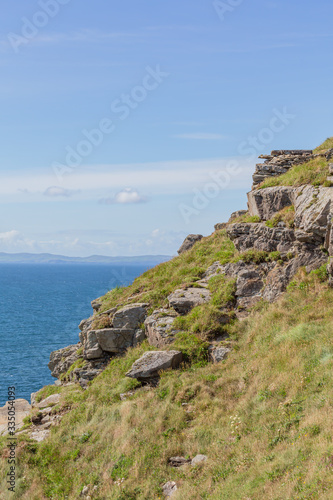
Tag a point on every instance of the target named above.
point(40, 308)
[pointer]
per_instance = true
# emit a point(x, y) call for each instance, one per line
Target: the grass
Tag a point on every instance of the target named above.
point(286, 215)
point(314, 172)
point(263, 417)
point(155, 285)
point(328, 144)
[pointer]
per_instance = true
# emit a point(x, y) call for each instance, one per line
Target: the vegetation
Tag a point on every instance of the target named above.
point(314, 172)
point(286, 215)
point(263, 416)
point(155, 285)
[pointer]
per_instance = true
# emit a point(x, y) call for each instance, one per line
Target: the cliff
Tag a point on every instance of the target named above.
point(210, 375)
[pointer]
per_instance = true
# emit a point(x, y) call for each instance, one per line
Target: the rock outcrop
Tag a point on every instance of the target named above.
point(278, 163)
point(149, 366)
point(189, 242)
point(183, 301)
point(159, 329)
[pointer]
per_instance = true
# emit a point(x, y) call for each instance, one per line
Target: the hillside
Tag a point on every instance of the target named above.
point(246, 315)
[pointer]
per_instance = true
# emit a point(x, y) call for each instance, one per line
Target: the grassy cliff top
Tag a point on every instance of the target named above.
point(313, 172)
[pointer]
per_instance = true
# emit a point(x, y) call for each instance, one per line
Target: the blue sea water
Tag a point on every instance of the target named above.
point(41, 306)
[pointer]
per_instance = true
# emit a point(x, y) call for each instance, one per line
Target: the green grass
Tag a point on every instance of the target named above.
point(263, 417)
point(328, 144)
point(155, 285)
point(314, 172)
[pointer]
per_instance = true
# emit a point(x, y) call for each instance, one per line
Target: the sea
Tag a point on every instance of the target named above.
point(41, 306)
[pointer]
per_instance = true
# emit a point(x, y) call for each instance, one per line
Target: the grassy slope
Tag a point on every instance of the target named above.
point(263, 417)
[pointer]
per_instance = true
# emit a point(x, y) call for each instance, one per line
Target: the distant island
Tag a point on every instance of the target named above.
point(47, 258)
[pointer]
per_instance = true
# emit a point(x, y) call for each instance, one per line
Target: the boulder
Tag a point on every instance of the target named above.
point(198, 459)
point(92, 349)
point(153, 362)
point(184, 300)
point(139, 337)
point(40, 436)
point(130, 317)
point(52, 400)
point(115, 339)
point(169, 489)
point(313, 212)
point(62, 360)
point(159, 329)
point(22, 410)
point(189, 241)
point(218, 353)
point(265, 203)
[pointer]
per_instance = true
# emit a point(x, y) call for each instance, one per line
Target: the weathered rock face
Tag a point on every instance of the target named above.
point(261, 237)
point(114, 339)
point(62, 360)
point(265, 203)
point(279, 162)
point(313, 212)
point(153, 362)
point(218, 353)
point(189, 241)
point(130, 317)
point(159, 330)
point(97, 346)
point(22, 409)
point(184, 300)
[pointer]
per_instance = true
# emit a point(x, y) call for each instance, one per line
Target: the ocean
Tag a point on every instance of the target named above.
point(41, 306)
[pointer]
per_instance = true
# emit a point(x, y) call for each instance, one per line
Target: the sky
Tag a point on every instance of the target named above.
point(128, 125)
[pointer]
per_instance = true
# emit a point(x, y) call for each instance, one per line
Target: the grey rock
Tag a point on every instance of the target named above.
point(313, 206)
point(199, 459)
point(265, 203)
point(261, 237)
point(114, 339)
point(139, 337)
point(184, 300)
point(40, 436)
point(96, 305)
point(92, 349)
point(52, 400)
point(169, 489)
point(220, 226)
point(159, 329)
point(153, 362)
point(218, 353)
point(189, 242)
point(62, 360)
point(130, 317)
point(236, 215)
point(330, 168)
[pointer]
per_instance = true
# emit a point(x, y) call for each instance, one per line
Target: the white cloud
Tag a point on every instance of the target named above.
point(55, 191)
point(202, 136)
point(9, 236)
point(126, 196)
point(160, 178)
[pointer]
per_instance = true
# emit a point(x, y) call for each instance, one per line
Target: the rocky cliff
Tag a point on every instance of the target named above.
point(211, 373)
point(285, 228)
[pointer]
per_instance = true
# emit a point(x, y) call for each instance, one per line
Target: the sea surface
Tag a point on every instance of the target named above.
point(41, 306)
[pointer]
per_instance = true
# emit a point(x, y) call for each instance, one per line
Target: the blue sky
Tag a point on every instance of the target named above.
point(127, 125)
